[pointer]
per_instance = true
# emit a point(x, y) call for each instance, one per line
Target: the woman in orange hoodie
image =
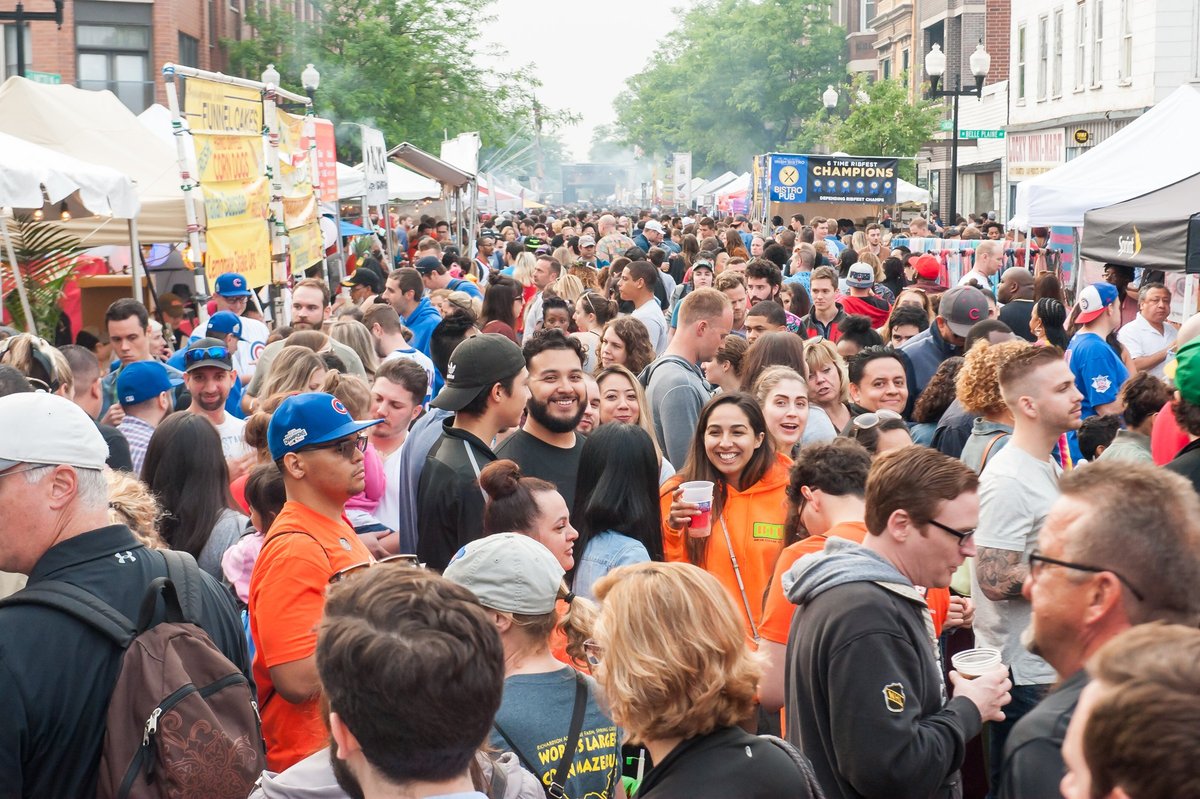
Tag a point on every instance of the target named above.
point(732, 450)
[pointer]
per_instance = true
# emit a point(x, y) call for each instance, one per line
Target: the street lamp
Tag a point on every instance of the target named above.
point(270, 76)
point(830, 98)
point(935, 68)
point(311, 80)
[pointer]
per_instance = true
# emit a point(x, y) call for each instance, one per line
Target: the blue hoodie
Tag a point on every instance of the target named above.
point(421, 322)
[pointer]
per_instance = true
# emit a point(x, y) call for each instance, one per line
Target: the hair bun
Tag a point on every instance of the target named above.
point(500, 478)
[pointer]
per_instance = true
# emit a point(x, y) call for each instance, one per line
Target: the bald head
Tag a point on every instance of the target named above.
point(1015, 284)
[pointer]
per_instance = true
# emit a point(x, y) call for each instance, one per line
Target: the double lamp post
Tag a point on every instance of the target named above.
point(935, 68)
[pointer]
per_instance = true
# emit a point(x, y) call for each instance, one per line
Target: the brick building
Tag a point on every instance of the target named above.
point(121, 46)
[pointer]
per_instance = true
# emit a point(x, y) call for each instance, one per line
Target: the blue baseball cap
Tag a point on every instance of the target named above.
point(231, 284)
point(222, 323)
point(312, 418)
point(1094, 300)
point(143, 380)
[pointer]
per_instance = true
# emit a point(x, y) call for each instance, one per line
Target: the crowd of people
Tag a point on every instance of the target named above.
point(605, 505)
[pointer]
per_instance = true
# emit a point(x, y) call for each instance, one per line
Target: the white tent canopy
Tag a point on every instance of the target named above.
point(1153, 151)
point(403, 184)
point(26, 170)
point(908, 193)
point(739, 184)
point(97, 128)
point(713, 185)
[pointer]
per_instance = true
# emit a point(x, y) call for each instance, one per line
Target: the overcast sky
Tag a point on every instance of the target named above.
point(584, 60)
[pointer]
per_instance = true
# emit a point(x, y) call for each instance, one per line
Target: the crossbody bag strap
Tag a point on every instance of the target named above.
point(557, 787)
point(737, 572)
point(475, 468)
point(516, 750)
point(988, 451)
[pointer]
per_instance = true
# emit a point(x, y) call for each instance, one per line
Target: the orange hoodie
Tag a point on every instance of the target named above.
point(756, 528)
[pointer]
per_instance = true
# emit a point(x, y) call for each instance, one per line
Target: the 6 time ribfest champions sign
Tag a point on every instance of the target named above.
point(832, 179)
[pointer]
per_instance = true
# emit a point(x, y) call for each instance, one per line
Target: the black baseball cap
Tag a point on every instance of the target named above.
point(208, 352)
point(427, 264)
point(363, 277)
point(477, 364)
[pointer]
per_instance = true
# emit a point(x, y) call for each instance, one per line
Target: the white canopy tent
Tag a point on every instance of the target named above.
point(739, 184)
point(711, 186)
point(1153, 151)
point(908, 193)
point(403, 184)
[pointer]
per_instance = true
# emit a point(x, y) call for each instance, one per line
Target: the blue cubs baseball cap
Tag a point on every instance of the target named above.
point(222, 323)
point(303, 420)
point(143, 380)
point(231, 284)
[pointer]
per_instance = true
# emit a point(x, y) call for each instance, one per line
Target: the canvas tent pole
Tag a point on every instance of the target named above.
point(200, 285)
point(30, 325)
point(135, 251)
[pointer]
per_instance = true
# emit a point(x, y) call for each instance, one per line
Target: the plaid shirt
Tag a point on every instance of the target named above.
point(138, 434)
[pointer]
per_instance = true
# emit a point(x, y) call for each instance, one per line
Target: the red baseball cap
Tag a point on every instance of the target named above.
point(928, 267)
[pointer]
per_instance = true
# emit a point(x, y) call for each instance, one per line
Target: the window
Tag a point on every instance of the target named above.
point(1097, 39)
point(1043, 57)
point(1125, 72)
point(1056, 69)
point(904, 65)
point(885, 68)
point(117, 58)
point(1080, 44)
point(9, 49)
point(1021, 64)
point(189, 51)
point(866, 13)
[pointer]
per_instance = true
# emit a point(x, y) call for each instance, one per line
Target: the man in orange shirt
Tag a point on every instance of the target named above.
point(319, 448)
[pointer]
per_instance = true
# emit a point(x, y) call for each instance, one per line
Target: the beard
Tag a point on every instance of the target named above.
point(345, 778)
point(209, 406)
point(555, 424)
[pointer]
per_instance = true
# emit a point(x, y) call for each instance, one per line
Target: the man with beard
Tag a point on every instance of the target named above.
point(208, 375)
point(548, 447)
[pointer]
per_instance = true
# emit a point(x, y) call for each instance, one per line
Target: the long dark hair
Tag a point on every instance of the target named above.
point(502, 292)
point(773, 349)
point(699, 467)
point(186, 471)
point(1053, 316)
point(617, 488)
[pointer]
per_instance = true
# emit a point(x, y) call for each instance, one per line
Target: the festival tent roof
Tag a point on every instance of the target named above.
point(908, 193)
point(739, 185)
point(402, 183)
point(1151, 152)
point(97, 128)
point(1159, 230)
point(711, 186)
point(430, 166)
point(27, 170)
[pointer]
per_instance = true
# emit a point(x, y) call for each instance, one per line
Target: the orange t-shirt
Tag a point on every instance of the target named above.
point(778, 611)
point(287, 597)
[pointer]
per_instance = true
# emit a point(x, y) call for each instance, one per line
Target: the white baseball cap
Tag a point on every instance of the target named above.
point(508, 572)
point(654, 225)
point(49, 429)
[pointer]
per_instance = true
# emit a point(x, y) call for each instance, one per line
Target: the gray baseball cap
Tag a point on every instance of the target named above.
point(508, 572)
point(962, 307)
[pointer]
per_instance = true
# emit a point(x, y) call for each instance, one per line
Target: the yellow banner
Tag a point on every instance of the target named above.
point(228, 159)
point(228, 204)
point(299, 211)
point(221, 108)
point(305, 244)
point(244, 248)
point(294, 166)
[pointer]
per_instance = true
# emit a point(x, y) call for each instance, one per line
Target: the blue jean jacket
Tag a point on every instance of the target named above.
point(605, 552)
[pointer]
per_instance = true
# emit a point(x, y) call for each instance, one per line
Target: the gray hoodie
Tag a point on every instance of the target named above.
point(312, 778)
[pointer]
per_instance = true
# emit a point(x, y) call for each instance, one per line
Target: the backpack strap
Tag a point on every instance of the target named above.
point(185, 574)
point(984, 460)
point(802, 763)
point(557, 787)
point(79, 604)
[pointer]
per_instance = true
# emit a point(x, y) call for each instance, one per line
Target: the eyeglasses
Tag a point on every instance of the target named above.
point(196, 355)
point(593, 652)
point(961, 535)
point(343, 446)
point(1036, 558)
point(341, 574)
point(29, 468)
point(865, 421)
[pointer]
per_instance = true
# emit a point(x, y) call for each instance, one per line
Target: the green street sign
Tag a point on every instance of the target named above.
point(981, 134)
point(946, 125)
point(43, 77)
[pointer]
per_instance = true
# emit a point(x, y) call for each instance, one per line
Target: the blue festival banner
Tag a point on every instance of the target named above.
point(789, 178)
point(832, 179)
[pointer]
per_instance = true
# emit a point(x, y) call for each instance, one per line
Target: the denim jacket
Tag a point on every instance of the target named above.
point(605, 552)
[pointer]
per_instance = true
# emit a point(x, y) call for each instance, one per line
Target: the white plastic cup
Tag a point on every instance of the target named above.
point(975, 662)
point(699, 492)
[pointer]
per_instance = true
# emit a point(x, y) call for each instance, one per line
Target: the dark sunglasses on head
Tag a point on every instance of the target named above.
point(343, 446)
point(341, 574)
point(206, 353)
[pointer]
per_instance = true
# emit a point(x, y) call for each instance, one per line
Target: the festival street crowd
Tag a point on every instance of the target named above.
point(612, 504)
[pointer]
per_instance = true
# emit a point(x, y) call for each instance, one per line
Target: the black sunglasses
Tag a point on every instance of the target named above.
point(343, 446)
point(961, 535)
point(1036, 557)
point(196, 355)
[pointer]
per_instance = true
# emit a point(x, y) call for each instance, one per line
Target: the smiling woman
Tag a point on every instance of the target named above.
point(732, 450)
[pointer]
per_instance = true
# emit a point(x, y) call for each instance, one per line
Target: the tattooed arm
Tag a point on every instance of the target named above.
point(1000, 572)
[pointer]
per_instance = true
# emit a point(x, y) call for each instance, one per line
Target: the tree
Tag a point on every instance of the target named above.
point(883, 121)
point(736, 78)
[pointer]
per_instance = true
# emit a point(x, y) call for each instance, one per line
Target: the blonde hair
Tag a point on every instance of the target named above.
point(675, 663)
point(568, 287)
point(772, 376)
point(523, 268)
point(355, 335)
point(645, 414)
point(291, 371)
point(352, 390)
point(872, 260)
point(132, 504)
point(978, 383)
point(819, 353)
point(464, 301)
point(577, 624)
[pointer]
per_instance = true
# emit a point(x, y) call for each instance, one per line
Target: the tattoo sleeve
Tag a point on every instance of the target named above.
point(1000, 572)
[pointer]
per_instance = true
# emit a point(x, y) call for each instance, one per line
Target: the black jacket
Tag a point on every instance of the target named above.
point(1187, 463)
point(727, 762)
point(922, 355)
point(449, 499)
point(1033, 763)
point(865, 697)
point(58, 673)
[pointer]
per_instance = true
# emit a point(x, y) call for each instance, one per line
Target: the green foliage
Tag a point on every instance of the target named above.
point(402, 66)
point(46, 257)
point(884, 121)
point(736, 78)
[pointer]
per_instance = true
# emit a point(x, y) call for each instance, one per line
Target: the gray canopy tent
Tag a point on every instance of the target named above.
point(1158, 230)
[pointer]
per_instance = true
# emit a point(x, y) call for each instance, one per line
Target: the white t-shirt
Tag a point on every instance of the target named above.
point(422, 360)
point(1141, 339)
point(976, 279)
point(388, 510)
point(254, 341)
point(649, 314)
point(1015, 494)
point(233, 439)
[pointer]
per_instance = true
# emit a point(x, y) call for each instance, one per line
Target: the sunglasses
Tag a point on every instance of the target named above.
point(1037, 560)
point(408, 560)
point(344, 447)
point(593, 652)
point(866, 421)
point(206, 353)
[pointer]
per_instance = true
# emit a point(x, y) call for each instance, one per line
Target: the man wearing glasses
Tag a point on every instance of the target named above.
point(319, 449)
point(865, 698)
point(1102, 564)
point(1016, 492)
